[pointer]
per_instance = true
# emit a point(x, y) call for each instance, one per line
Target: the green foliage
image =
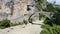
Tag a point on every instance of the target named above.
point(50, 8)
point(57, 20)
point(5, 23)
point(40, 1)
point(48, 21)
point(15, 24)
point(51, 26)
point(57, 9)
point(39, 6)
point(50, 29)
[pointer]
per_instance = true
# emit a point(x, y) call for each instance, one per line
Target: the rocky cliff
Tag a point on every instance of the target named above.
point(18, 10)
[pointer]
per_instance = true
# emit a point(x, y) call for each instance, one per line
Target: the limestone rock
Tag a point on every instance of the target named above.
point(20, 11)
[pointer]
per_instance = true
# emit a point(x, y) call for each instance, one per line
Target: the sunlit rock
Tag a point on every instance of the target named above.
point(19, 10)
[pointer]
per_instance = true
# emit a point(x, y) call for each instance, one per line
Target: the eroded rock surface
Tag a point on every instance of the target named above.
point(22, 9)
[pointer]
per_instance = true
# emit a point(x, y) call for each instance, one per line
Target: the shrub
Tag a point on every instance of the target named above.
point(51, 26)
point(5, 23)
point(50, 29)
point(39, 6)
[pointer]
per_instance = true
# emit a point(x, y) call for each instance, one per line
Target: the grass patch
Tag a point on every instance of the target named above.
point(6, 23)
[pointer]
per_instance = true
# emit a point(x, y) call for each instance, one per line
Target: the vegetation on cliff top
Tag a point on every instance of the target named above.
point(51, 26)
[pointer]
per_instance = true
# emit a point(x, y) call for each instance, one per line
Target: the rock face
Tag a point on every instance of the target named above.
point(19, 10)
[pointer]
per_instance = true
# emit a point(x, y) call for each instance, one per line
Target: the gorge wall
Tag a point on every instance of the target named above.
point(18, 10)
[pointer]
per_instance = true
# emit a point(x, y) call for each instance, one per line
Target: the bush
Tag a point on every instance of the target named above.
point(39, 6)
point(50, 29)
point(51, 26)
point(5, 23)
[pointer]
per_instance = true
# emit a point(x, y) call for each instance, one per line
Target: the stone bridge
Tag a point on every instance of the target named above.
point(47, 14)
